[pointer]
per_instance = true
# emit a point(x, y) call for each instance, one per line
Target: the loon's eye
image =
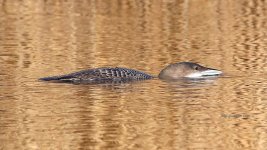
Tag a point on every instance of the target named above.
point(196, 67)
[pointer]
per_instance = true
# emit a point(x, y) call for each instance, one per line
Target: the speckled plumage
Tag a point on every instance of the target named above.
point(102, 74)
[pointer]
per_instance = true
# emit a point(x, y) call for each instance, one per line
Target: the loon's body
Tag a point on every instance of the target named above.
point(171, 72)
point(102, 74)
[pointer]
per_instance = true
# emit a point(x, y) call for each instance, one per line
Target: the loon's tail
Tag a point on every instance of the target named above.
point(56, 78)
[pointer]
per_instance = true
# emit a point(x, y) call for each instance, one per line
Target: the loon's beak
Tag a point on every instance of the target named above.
point(206, 73)
point(211, 72)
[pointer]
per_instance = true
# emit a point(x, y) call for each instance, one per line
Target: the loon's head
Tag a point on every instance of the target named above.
point(187, 70)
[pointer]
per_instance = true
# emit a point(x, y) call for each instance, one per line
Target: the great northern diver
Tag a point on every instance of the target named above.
point(171, 72)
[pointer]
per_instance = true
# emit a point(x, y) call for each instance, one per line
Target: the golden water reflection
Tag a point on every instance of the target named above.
point(42, 38)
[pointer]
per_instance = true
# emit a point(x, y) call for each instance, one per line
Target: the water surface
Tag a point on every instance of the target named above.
point(43, 38)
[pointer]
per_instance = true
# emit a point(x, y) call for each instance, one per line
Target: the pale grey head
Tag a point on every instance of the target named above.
point(187, 70)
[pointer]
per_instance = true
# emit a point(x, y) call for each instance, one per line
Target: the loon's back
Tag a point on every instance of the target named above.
point(101, 74)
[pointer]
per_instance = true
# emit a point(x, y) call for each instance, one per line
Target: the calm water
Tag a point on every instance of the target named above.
point(43, 38)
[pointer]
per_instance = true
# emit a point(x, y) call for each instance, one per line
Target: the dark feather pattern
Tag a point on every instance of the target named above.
point(102, 74)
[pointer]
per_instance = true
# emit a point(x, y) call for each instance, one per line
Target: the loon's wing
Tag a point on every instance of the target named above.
point(101, 74)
